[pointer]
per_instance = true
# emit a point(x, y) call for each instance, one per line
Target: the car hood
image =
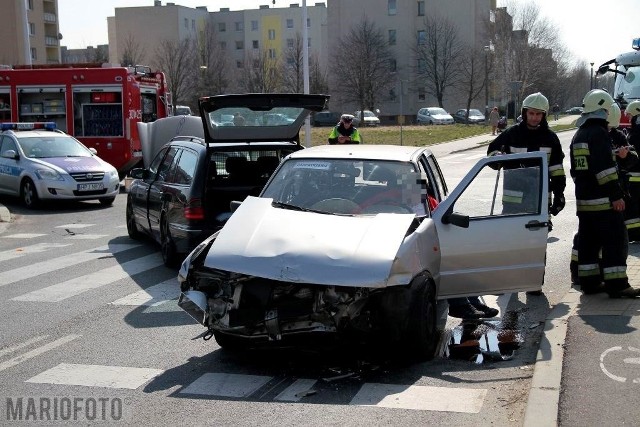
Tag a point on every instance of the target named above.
point(254, 108)
point(153, 135)
point(307, 247)
point(73, 164)
point(442, 116)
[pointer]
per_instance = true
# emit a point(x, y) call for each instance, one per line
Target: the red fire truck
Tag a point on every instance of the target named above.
point(99, 104)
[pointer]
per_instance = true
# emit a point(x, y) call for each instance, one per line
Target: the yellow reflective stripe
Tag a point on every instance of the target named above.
point(632, 223)
point(617, 272)
point(574, 255)
point(586, 270)
point(518, 150)
point(511, 196)
point(607, 175)
point(580, 149)
point(556, 170)
point(634, 179)
point(602, 204)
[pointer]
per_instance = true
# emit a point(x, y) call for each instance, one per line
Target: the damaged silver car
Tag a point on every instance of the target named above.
point(365, 241)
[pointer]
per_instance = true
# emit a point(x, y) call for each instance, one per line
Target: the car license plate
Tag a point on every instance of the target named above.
point(90, 187)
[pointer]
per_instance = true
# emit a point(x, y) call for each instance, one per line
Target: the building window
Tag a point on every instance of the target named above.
point(239, 26)
point(223, 45)
point(290, 43)
point(392, 7)
point(421, 8)
point(272, 34)
point(186, 23)
point(392, 65)
point(34, 54)
point(422, 36)
point(422, 93)
point(239, 44)
point(254, 25)
point(193, 24)
point(272, 53)
point(308, 22)
point(392, 37)
point(309, 42)
point(30, 4)
point(239, 64)
point(422, 66)
point(222, 27)
point(32, 29)
point(255, 44)
point(289, 23)
point(291, 60)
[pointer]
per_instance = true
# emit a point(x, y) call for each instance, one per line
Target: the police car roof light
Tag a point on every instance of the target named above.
point(28, 126)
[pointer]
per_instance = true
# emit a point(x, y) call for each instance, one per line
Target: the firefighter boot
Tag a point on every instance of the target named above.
point(628, 292)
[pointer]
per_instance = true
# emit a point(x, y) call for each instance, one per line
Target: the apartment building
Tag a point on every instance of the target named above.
point(29, 32)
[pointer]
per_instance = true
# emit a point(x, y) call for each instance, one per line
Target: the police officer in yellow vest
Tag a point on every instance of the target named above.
point(344, 132)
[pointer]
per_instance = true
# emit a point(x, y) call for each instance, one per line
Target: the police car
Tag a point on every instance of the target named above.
point(39, 162)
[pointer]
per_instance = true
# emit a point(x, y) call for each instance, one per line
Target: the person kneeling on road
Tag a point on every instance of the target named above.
point(344, 132)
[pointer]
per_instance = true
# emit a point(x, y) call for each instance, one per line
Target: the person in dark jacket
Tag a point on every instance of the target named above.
point(599, 202)
point(344, 132)
point(632, 209)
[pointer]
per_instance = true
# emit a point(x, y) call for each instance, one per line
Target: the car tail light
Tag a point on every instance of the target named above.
point(194, 210)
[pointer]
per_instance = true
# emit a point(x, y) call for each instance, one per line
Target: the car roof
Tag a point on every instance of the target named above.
point(401, 153)
point(38, 133)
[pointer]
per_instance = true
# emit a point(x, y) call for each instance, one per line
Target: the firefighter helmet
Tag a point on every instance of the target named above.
point(536, 101)
point(614, 116)
point(596, 99)
point(633, 109)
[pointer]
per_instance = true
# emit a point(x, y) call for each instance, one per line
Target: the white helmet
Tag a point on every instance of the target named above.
point(614, 116)
point(537, 101)
point(596, 99)
point(633, 109)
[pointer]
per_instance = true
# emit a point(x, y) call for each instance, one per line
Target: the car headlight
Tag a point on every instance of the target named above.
point(113, 173)
point(49, 174)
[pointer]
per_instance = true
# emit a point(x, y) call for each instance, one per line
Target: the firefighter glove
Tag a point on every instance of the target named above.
point(557, 205)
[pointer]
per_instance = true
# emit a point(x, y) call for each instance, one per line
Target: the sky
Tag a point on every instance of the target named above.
point(593, 30)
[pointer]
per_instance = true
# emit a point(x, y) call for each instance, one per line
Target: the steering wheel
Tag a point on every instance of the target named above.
point(336, 205)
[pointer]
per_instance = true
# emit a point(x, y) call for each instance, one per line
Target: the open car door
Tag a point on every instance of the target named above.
point(493, 227)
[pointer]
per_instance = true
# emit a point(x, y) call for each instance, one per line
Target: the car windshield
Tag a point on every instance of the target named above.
point(354, 187)
point(58, 146)
point(627, 85)
point(474, 112)
point(369, 114)
point(436, 111)
point(241, 116)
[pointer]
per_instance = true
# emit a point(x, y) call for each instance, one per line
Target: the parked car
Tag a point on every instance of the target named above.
point(475, 116)
point(574, 110)
point(325, 118)
point(369, 118)
point(182, 110)
point(433, 116)
point(39, 162)
point(341, 242)
point(184, 195)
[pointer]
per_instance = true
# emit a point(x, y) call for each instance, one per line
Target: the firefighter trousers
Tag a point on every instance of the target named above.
point(604, 231)
point(632, 209)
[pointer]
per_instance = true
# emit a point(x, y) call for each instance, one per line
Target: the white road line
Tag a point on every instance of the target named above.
point(226, 385)
point(96, 376)
point(476, 156)
point(153, 295)
point(421, 398)
point(451, 156)
point(296, 391)
point(17, 274)
point(86, 236)
point(16, 347)
point(25, 250)
point(78, 285)
point(75, 226)
point(37, 351)
point(23, 236)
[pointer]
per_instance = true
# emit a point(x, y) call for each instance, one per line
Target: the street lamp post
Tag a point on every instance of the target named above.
point(487, 50)
point(591, 84)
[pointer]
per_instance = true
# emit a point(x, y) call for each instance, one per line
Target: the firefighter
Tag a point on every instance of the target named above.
point(626, 158)
point(344, 132)
point(532, 134)
point(599, 202)
point(632, 211)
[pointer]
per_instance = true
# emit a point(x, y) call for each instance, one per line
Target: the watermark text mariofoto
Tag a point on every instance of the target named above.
point(27, 408)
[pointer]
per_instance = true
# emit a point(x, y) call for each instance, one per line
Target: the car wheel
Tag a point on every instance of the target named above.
point(132, 227)
point(167, 245)
point(107, 201)
point(29, 194)
point(229, 342)
point(422, 336)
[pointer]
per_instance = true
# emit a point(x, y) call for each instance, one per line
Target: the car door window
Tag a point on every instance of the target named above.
point(7, 144)
point(155, 164)
point(434, 174)
point(164, 169)
point(186, 168)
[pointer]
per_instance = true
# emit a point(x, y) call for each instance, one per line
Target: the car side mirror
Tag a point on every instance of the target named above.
point(234, 205)
point(11, 154)
point(456, 219)
point(93, 151)
point(138, 173)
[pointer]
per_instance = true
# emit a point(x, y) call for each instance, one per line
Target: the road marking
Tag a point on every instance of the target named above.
point(296, 391)
point(96, 376)
point(37, 248)
point(24, 236)
point(629, 360)
point(86, 236)
point(38, 268)
point(75, 226)
point(226, 385)
point(16, 347)
point(421, 398)
point(153, 295)
point(37, 351)
point(78, 285)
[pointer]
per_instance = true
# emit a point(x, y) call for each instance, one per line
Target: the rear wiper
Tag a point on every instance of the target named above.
point(291, 207)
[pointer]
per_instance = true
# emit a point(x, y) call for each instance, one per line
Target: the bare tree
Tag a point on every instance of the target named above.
point(99, 55)
point(293, 78)
point(471, 82)
point(178, 61)
point(261, 73)
point(212, 63)
point(361, 65)
point(318, 81)
point(437, 56)
point(132, 51)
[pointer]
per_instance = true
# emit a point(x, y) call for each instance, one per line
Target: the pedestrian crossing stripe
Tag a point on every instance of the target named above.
point(152, 296)
point(85, 236)
point(37, 351)
point(75, 226)
point(96, 376)
point(32, 249)
point(23, 236)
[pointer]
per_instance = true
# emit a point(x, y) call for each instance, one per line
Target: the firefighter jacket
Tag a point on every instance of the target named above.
point(338, 130)
point(594, 168)
point(520, 139)
point(633, 171)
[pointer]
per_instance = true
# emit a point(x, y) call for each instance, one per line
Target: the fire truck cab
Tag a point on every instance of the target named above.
point(99, 104)
point(627, 82)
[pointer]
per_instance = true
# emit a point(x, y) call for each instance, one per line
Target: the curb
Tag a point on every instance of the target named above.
point(544, 394)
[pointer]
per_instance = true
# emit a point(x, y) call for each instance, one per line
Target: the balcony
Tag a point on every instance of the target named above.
point(50, 18)
point(51, 41)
